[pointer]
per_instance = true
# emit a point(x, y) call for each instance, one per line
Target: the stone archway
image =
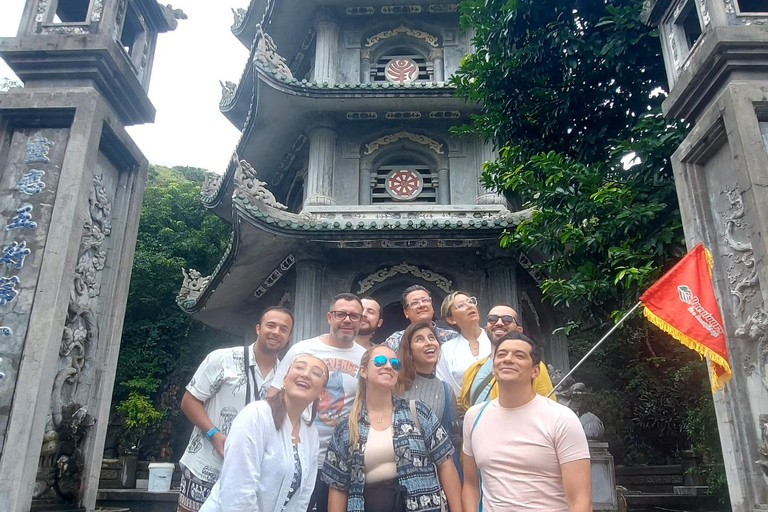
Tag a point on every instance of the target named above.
point(386, 285)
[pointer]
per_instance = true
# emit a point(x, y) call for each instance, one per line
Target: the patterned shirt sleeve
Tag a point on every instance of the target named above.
point(435, 437)
point(208, 378)
point(336, 468)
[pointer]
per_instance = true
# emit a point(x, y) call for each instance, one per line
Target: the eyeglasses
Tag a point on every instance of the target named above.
point(300, 368)
point(505, 319)
point(380, 361)
point(341, 315)
point(420, 302)
point(471, 301)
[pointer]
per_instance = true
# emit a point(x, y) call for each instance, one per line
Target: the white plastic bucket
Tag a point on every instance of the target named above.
point(160, 475)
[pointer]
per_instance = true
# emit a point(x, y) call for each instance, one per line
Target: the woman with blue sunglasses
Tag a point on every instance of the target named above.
point(390, 455)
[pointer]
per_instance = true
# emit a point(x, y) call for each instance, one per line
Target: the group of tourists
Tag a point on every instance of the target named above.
point(343, 424)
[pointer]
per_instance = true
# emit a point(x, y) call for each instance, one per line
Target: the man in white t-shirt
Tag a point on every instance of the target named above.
point(220, 388)
point(342, 356)
point(531, 452)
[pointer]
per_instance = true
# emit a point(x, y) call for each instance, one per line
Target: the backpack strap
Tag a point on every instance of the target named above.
point(412, 405)
point(484, 384)
point(479, 475)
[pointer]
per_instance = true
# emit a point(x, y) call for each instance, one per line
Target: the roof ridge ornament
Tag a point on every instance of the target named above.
point(402, 29)
point(249, 188)
point(394, 137)
point(267, 57)
point(193, 286)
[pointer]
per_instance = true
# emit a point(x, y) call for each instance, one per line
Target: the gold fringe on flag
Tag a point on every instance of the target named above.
point(702, 350)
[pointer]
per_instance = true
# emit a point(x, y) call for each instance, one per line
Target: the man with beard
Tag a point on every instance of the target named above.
point(417, 307)
point(342, 357)
point(479, 384)
point(371, 321)
point(226, 381)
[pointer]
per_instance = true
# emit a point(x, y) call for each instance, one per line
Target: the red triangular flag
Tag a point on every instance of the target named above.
point(682, 303)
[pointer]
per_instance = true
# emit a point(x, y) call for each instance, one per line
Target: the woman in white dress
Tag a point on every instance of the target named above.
point(459, 310)
point(270, 456)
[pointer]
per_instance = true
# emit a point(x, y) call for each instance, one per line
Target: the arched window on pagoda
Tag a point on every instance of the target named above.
point(401, 55)
point(404, 179)
point(404, 167)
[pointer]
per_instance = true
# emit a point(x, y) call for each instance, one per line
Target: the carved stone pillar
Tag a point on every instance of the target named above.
point(71, 187)
point(326, 51)
point(437, 64)
point(444, 186)
point(502, 281)
point(320, 169)
point(308, 313)
point(486, 153)
point(365, 66)
point(366, 171)
point(721, 172)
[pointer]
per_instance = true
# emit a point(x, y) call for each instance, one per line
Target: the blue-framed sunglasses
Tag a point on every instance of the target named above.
point(379, 361)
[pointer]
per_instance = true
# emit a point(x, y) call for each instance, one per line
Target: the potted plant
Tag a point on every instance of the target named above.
point(138, 417)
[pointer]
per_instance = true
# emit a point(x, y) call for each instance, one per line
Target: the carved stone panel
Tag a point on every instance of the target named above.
point(28, 186)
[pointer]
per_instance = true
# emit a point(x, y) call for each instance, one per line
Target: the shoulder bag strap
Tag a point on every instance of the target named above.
point(246, 366)
point(484, 384)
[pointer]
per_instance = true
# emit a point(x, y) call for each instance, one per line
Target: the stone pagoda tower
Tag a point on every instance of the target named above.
point(347, 177)
point(72, 183)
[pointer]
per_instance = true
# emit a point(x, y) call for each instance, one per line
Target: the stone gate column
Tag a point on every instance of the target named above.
point(715, 62)
point(71, 186)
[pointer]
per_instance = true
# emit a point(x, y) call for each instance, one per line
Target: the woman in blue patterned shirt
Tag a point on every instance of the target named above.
point(382, 459)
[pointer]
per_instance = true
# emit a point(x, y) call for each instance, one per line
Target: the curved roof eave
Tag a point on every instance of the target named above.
point(284, 229)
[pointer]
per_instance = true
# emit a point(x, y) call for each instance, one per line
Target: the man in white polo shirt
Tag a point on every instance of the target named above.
point(531, 452)
point(220, 388)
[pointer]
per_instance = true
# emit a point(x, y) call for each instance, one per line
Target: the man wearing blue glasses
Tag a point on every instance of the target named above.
point(338, 350)
point(417, 307)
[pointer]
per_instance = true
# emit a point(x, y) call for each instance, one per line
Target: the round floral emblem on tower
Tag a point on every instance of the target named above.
point(401, 70)
point(404, 184)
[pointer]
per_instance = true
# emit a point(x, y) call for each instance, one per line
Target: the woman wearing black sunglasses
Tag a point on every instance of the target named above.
point(391, 454)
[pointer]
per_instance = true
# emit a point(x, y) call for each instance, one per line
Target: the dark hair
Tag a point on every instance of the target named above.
point(409, 290)
point(277, 404)
point(517, 335)
point(368, 297)
point(279, 309)
point(349, 297)
point(408, 370)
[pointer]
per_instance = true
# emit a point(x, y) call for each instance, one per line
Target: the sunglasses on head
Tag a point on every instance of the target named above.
point(379, 361)
point(505, 319)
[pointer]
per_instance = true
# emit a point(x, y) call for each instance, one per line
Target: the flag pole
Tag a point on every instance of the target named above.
point(621, 321)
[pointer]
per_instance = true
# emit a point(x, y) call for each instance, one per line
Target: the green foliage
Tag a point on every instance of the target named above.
point(138, 415)
point(569, 90)
point(161, 345)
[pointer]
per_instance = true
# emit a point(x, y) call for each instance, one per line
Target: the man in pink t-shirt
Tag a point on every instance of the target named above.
point(531, 452)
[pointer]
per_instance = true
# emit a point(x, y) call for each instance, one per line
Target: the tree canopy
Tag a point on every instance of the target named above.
point(161, 345)
point(570, 93)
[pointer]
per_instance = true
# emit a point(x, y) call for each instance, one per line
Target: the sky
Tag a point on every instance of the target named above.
point(189, 62)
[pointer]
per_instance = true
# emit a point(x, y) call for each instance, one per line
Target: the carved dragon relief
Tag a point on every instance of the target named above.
point(228, 90)
point(402, 29)
point(267, 57)
point(418, 139)
point(250, 188)
point(68, 418)
point(404, 268)
point(193, 286)
point(210, 186)
point(744, 284)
